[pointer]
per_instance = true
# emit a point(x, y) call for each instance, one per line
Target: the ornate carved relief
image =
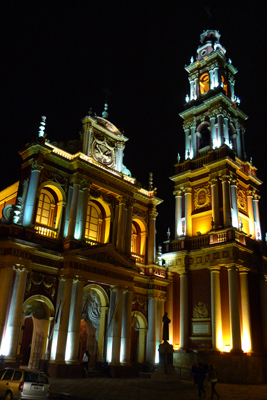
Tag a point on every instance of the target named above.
point(241, 199)
point(200, 310)
point(202, 197)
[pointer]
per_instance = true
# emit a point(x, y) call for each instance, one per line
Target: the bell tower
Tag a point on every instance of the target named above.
point(214, 259)
point(216, 186)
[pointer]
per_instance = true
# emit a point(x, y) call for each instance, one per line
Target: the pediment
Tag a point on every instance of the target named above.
point(107, 254)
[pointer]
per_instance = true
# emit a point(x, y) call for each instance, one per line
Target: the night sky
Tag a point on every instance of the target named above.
point(58, 59)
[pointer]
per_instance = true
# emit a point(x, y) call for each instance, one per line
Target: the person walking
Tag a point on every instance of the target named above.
point(212, 376)
point(86, 359)
point(200, 377)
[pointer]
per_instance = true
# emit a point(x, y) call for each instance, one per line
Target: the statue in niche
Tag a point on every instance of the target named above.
point(166, 320)
point(200, 310)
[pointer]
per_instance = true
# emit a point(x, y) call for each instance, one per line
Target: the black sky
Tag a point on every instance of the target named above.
point(57, 57)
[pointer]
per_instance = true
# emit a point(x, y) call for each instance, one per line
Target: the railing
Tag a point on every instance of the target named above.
point(211, 238)
point(139, 258)
point(46, 231)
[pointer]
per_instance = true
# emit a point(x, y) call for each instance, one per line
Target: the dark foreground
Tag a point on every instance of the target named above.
point(95, 388)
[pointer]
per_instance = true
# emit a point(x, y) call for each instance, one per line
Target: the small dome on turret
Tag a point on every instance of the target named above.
point(210, 41)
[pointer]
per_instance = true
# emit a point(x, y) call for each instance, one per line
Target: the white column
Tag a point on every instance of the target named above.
point(119, 156)
point(111, 317)
point(251, 215)
point(226, 202)
point(263, 298)
point(126, 327)
point(169, 305)
point(67, 212)
point(120, 244)
point(101, 334)
point(192, 91)
point(226, 131)
point(128, 235)
point(256, 199)
point(245, 308)
point(188, 211)
point(194, 142)
point(5, 290)
point(234, 308)
point(87, 138)
point(84, 210)
point(178, 214)
point(73, 209)
point(74, 322)
point(64, 322)
point(187, 142)
point(213, 130)
point(117, 324)
point(238, 142)
point(211, 79)
point(234, 204)
point(215, 202)
point(10, 340)
point(151, 333)
point(31, 195)
point(216, 311)
point(220, 129)
point(151, 242)
point(183, 310)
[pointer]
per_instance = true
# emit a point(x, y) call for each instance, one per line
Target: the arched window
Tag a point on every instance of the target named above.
point(46, 209)
point(138, 244)
point(204, 83)
point(94, 219)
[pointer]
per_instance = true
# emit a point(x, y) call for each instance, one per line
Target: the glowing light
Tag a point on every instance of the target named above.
point(227, 348)
point(216, 143)
point(6, 343)
point(246, 342)
point(176, 346)
point(187, 98)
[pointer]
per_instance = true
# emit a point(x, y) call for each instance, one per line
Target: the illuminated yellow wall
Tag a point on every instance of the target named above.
point(8, 196)
point(201, 224)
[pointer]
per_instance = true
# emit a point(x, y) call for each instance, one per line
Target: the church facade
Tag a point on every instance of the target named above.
point(79, 269)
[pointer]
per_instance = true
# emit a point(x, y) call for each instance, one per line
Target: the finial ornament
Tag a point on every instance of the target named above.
point(150, 181)
point(168, 234)
point(178, 157)
point(105, 112)
point(41, 132)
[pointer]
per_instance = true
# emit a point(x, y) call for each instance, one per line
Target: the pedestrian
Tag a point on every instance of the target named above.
point(194, 373)
point(86, 359)
point(212, 376)
point(200, 377)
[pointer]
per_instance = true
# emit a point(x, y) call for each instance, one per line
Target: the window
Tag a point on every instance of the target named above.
point(17, 376)
point(93, 222)
point(204, 83)
point(46, 210)
point(8, 375)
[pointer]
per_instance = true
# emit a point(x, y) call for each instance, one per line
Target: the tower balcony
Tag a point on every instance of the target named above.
point(212, 238)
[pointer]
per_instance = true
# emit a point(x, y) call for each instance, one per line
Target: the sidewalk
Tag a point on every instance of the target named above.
point(98, 388)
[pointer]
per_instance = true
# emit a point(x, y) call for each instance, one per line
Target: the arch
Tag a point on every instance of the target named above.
point(93, 322)
point(204, 83)
point(139, 331)
point(100, 229)
point(55, 187)
point(51, 198)
point(139, 234)
point(37, 312)
point(203, 131)
point(101, 292)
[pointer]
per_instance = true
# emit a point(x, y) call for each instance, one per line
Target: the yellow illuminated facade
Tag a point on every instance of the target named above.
point(78, 261)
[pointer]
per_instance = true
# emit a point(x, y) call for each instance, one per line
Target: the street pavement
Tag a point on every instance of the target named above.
point(102, 388)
